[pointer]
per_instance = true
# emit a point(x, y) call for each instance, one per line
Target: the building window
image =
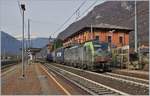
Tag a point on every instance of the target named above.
point(97, 37)
point(109, 39)
point(121, 39)
point(84, 38)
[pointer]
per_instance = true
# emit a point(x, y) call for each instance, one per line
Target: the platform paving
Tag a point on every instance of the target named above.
point(35, 82)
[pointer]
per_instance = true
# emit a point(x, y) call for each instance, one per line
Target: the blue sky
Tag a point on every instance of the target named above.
point(46, 15)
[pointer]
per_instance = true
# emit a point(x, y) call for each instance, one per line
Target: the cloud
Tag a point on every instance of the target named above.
point(33, 35)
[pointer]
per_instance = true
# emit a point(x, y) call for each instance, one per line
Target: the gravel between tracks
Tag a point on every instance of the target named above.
point(92, 85)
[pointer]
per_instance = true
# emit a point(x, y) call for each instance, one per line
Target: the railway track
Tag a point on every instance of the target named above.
point(129, 78)
point(52, 71)
point(8, 65)
point(125, 84)
point(124, 80)
point(7, 70)
point(90, 86)
point(5, 65)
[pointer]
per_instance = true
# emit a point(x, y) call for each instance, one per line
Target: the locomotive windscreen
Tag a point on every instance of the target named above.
point(100, 46)
point(101, 49)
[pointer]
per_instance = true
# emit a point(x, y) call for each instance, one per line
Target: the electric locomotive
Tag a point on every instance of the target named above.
point(92, 55)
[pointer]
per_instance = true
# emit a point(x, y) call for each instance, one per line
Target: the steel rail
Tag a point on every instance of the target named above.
point(115, 78)
point(104, 88)
point(82, 87)
point(134, 78)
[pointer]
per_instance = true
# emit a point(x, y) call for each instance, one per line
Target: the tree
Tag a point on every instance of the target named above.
point(57, 44)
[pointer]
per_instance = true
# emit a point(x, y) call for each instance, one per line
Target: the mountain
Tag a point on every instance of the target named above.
point(10, 46)
point(119, 13)
point(39, 42)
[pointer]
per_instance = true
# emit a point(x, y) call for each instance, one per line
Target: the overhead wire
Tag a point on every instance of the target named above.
point(61, 26)
point(69, 17)
point(19, 7)
point(90, 7)
point(75, 13)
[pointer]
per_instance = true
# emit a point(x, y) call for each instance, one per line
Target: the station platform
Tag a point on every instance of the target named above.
point(13, 83)
point(134, 73)
point(36, 82)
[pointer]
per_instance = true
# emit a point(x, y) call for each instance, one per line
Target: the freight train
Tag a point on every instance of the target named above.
point(92, 55)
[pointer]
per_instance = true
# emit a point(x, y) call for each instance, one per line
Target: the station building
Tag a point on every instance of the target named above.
point(117, 36)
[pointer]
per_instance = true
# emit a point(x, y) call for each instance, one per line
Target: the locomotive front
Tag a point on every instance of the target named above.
point(102, 55)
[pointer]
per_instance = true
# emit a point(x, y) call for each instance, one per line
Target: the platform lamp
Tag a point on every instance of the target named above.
point(110, 41)
point(23, 9)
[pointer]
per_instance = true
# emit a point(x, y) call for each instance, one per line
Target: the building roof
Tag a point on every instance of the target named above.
point(99, 26)
point(108, 26)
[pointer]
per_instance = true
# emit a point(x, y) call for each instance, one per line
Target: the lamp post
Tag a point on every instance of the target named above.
point(28, 48)
point(135, 27)
point(23, 9)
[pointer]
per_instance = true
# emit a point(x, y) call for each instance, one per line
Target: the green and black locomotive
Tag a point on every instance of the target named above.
point(91, 55)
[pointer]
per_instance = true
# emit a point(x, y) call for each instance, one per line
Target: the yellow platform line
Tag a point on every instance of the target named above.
point(55, 81)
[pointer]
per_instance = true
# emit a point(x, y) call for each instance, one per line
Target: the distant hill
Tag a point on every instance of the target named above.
point(119, 13)
point(10, 46)
point(39, 42)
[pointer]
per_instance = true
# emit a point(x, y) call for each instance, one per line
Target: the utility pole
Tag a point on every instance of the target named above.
point(135, 27)
point(137, 42)
point(23, 9)
point(140, 57)
point(29, 43)
point(28, 51)
point(5, 42)
point(92, 38)
point(91, 32)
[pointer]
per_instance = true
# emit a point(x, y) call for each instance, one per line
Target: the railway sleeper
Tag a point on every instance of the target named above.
point(99, 90)
point(105, 93)
point(102, 92)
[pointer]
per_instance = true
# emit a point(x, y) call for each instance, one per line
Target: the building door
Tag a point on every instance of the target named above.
point(97, 37)
point(121, 40)
point(109, 39)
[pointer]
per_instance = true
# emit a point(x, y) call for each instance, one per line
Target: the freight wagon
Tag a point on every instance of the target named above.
point(59, 55)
